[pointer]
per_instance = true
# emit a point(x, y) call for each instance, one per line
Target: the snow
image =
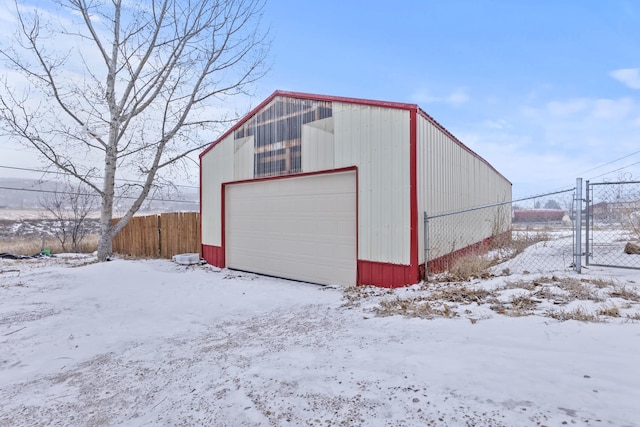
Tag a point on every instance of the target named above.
point(151, 342)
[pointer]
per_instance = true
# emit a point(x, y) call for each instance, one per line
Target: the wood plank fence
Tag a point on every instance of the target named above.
point(159, 236)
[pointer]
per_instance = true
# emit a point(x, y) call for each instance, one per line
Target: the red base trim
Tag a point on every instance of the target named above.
point(386, 275)
point(214, 255)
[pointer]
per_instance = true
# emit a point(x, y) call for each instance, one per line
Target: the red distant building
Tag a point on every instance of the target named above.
point(538, 215)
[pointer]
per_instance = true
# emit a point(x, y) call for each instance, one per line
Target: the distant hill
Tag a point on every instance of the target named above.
point(20, 193)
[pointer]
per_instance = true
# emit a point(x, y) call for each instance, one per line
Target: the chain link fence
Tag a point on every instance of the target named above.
point(613, 224)
point(530, 235)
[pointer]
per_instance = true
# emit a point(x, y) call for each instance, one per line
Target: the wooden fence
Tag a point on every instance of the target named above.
point(159, 236)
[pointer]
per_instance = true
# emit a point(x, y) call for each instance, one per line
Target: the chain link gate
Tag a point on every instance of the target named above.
point(613, 224)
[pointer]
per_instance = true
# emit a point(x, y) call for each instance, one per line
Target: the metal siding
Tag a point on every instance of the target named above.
point(376, 140)
point(217, 167)
point(243, 159)
point(450, 178)
point(318, 145)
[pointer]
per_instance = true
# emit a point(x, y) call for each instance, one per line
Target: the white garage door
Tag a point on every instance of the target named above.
point(301, 228)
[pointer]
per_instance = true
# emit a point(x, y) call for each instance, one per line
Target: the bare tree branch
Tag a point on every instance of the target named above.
point(128, 84)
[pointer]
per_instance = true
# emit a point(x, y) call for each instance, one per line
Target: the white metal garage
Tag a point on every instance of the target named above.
point(302, 228)
point(278, 192)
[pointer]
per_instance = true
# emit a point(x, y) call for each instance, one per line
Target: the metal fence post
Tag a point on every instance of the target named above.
point(588, 212)
point(578, 243)
point(426, 246)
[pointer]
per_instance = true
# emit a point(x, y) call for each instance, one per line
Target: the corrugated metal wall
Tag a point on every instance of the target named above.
point(450, 178)
point(376, 140)
point(217, 166)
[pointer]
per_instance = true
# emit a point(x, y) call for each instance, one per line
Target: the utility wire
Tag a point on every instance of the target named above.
point(33, 190)
point(608, 163)
point(615, 170)
point(96, 177)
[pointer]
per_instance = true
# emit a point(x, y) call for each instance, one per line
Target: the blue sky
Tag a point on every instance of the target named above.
point(546, 91)
point(536, 88)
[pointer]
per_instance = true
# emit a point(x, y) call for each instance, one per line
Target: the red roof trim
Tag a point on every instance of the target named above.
point(346, 100)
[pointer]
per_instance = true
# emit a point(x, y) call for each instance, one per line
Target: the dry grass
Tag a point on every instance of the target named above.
point(26, 246)
point(621, 291)
point(599, 282)
point(609, 310)
point(523, 302)
point(518, 305)
point(521, 240)
point(468, 267)
point(459, 294)
point(634, 317)
point(413, 307)
point(544, 292)
point(580, 314)
point(514, 298)
point(577, 290)
point(504, 247)
point(519, 284)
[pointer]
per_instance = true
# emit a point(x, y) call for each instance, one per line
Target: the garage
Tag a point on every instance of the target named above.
point(301, 228)
point(280, 189)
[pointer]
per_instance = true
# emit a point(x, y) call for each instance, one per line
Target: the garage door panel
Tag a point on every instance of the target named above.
point(302, 228)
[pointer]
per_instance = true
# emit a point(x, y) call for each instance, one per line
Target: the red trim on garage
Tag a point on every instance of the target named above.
point(222, 224)
point(214, 255)
point(413, 195)
point(294, 175)
point(384, 274)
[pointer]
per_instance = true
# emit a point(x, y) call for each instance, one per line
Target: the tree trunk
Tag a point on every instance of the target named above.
point(105, 247)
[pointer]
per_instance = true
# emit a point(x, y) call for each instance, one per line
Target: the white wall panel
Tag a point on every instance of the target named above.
point(318, 145)
point(217, 167)
point(243, 158)
point(451, 178)
point(376, 140)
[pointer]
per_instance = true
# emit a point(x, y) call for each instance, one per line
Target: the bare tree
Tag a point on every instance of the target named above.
point(70, 208)
point(133, 86)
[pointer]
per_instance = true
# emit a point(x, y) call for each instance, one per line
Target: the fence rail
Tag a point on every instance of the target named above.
point(159, 236)
point(526, 235)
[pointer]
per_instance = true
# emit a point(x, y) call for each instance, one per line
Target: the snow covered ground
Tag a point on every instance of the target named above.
point(150, 342)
